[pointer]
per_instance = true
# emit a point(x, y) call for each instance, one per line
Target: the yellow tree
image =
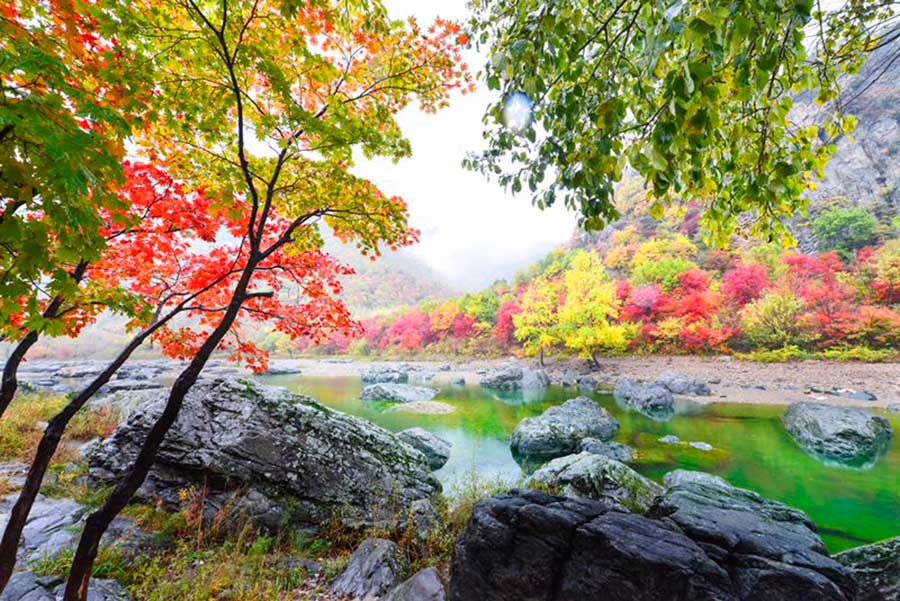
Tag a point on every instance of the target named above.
point(536, 325)
point(586, 319)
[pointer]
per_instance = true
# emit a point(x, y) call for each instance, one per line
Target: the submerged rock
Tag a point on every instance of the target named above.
point(877, 569)
point(653, 400)
point(435, 448)
point(26, 586)
point(424, 585)
point(530, 545)
point(842, 433)
point(291, 459)
point(374, 569)
point(700, 446)
point(397, 393)
point(677, 383)
point(589, 476)
point(560, 429)
point(376, 375)
point(613, 450)
point(669, 439)
point(517, 378)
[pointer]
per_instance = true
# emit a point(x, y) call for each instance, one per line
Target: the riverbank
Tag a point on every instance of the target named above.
point(731, 380)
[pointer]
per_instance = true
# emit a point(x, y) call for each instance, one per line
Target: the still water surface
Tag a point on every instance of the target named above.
point(851, 506)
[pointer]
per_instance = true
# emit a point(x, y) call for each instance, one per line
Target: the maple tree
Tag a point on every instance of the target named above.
point(309, 84)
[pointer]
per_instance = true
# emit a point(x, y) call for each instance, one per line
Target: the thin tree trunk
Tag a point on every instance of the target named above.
point(97, 523)
point(594, 361)
point(541, 356)
point(10, 383)
point(46, 449)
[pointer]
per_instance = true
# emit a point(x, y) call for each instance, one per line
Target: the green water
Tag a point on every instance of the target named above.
point(851, 506)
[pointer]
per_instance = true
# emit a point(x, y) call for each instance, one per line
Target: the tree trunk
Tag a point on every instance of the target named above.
point(45, 451)
point(594, 361)
point(541, 356)
point(97, 523)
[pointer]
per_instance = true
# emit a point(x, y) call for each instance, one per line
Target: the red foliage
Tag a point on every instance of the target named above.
point(411, 331)
point(504, 331)
point(744, 284)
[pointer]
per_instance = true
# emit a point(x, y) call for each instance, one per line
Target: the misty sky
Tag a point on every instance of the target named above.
point(472, 231)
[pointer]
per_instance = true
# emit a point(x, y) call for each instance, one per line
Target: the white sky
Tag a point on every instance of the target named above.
point(472, 231)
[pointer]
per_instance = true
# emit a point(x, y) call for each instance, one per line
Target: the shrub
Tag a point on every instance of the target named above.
point(664, 271)
point(744, 284)
point(845, 230)
point(776, 320)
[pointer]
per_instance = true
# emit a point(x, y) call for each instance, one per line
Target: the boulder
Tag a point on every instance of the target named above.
point(458, 381)
point(587, 383)
point(589, 476)
point(376, 375)
point(424, 585)
point(677, 383)
point(397, 393)
point(877, 569)
point(653, 400)
point(560, 429)
point(676, 477)
point(669, 439)
point(842, 433)
point(276, 456)
point(613, 450)
point(26, 586)
point(530, 545)
point(374, 569)
point(700, 446)
point(893, 408)
point(517, 378)
point(435, 448)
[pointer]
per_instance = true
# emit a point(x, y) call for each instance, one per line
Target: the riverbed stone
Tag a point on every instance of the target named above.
point(560, 429)
point(424, 585)
point(27, 586)
point(678, 383)
point(374, 568)
point(653, 400)
point(842, 433)
point(876, 568)
point(613, 450)
point(382, 374)
point(397, 393)
point(590, 476)
point(516, 378)
point(435, 448)
point(530, 545)
point(280, 458)
point(893, 408)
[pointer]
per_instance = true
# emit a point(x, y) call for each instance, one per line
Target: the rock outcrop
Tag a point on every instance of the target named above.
point(842, 433)
point(517, 378)
point(26, 586)
point(560, 429)
point(435, 448)
point(876, 568)
point(697, 543)
point(589, 476)
point(375, 568)
point(653, 400)
point(280, 457)
point(397, 393)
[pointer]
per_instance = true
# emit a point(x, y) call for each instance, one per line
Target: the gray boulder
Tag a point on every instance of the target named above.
point(397, 393)
point(517, 378)
point(653, 400)
point(560, 429)
point(842, 433)
point(613, 450)
point(877, 569)
point(374, 569)
point(424, 585)
point(376, 375)
point(26, 586)
point(677, 383)
point(677, 477)
point(589, 476)
point(435, 448)
point(294, 461)
point(893, 408)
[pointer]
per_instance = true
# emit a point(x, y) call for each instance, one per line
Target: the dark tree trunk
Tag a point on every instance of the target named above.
point(10, 382)
point(97, 523)
point(541, 356)
point(45, 451)
point(594, 362)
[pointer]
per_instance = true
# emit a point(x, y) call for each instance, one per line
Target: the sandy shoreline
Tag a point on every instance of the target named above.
point(731, 381)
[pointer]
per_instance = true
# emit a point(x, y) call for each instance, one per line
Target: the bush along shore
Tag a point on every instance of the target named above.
point(231, 510)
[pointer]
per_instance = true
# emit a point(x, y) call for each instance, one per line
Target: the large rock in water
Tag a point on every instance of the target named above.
point(590, 476)
point(653, 400)
point(435, 448)
point(842, 433)
point(560, 429)
point(293, 460)
point(877, 569)
point(694, 545)
point(517, 378)
point(397, 393)
point(376, 375)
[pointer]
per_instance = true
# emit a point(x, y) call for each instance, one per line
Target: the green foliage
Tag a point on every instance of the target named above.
point(775, 321)
point(779, 355)
point(664, 272)
point(845, 230)
point(480, 305)
point(860, 353)
point(694, 96)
